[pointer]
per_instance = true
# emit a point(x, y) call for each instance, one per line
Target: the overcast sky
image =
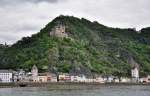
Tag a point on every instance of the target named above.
point(20, 18)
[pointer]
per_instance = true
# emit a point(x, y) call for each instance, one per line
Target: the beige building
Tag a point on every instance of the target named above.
point(44, 77)
point(125, 80)
point(64, 77)
point(145, 80)
point(47, 77)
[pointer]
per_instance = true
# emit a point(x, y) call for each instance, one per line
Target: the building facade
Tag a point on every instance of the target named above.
point(135, 73)
point(6, 76)
point(54, 78)
point(44, 77)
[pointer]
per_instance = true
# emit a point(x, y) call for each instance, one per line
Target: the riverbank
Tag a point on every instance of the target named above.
point(65, 85)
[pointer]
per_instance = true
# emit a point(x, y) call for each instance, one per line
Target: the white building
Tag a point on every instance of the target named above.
point(135, 73)
point(29, 77)
point(54, 78)
point(74, 78)
point(100, 80)
point(109, 79)
point(6, 76)
point(134, 70)
point(81, 78)
point(19, 75)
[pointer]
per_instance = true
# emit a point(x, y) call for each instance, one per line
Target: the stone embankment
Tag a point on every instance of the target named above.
point(65, 85)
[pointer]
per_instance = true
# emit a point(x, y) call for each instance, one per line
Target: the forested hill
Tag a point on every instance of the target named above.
point(89, 48)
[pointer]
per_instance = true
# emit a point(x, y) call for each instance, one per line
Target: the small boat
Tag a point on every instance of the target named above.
point(22, 85)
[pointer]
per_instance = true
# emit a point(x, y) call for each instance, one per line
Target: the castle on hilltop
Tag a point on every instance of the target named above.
point(59, 30)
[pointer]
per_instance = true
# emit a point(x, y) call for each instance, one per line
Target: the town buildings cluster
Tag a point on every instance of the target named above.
point(8, 76)
point(59, 30)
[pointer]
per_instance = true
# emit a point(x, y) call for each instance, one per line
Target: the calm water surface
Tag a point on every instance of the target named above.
point(101, 91)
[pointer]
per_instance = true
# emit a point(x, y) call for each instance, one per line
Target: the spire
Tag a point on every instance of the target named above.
point(34, 67)
point(133, 63)
point(34, 71)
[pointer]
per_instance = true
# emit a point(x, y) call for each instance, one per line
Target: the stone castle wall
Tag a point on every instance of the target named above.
point(59, 31)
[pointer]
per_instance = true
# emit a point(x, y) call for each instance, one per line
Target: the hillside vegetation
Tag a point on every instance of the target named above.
point(90, 48)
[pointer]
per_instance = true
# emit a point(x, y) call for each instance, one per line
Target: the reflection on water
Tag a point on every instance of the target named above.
point(101, 91)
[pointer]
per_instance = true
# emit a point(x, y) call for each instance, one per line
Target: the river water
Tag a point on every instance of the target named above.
point(101, 91)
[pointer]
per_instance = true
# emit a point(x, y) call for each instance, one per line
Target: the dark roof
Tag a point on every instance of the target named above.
point(6, 71)
point(135, 66)
point(133, 63)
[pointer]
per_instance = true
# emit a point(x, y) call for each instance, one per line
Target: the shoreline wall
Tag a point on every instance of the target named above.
point(66, 85)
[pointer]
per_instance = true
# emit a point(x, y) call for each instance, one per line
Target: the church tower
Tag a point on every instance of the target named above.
point(134, 70)
point(34, 72)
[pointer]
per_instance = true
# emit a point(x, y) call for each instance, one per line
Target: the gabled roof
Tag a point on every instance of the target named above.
point(135, 66)
point(133, 63)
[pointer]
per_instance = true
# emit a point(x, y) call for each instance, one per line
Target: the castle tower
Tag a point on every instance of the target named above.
point(59, 30)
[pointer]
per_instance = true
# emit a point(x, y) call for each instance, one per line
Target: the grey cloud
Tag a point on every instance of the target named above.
point(6, 37)
point(14, 2)
point(29, 16)
point(37, 1)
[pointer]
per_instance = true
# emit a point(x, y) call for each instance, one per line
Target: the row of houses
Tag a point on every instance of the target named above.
point(7, 76)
